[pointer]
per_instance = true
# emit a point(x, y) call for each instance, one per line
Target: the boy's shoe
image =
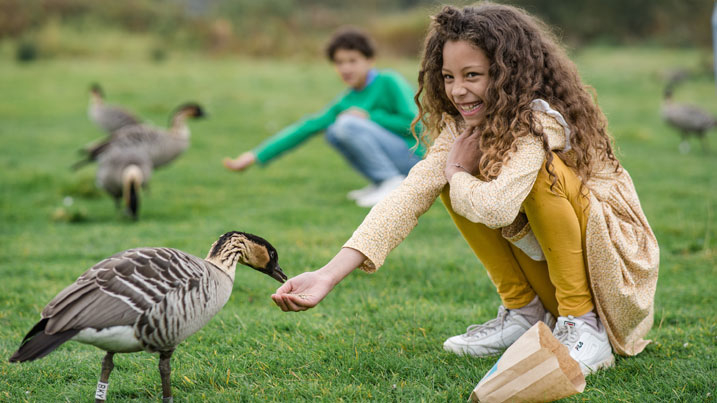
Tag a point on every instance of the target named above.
point(493, 337)
point(359, 193)
point(382, 190)
point(589, 347)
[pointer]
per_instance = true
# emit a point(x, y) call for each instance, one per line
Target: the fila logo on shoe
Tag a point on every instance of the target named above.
point(571, 324)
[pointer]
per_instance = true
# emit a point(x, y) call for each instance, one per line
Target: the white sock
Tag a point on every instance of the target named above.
point(591, 319)
point(533, 312)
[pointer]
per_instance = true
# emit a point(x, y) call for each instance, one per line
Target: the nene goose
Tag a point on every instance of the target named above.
point(690, 120)
point(162, 145)
point(122, 174)
point(107, 117)
point(146, 299)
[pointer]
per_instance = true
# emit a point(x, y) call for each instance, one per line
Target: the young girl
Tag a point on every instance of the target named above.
point(523, 162)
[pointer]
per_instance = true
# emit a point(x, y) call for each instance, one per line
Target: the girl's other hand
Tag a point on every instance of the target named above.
point(465, 154)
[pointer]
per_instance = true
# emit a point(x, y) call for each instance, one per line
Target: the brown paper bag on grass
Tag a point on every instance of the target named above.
point(536, 368)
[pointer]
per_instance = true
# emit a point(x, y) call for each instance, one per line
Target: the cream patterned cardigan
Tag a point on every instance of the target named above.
point(622, 252)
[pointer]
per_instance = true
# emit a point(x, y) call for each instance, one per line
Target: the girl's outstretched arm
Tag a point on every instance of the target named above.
point(308, 289)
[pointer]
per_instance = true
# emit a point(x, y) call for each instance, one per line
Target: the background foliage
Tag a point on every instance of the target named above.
point(299, 27)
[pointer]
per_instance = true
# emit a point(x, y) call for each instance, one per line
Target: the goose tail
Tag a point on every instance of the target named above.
point(132, 179)
point(38, 344)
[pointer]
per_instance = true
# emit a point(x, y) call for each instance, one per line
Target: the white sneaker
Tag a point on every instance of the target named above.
point(382, 190)
point(590, 348)
point(494, 336)
point(359, 193)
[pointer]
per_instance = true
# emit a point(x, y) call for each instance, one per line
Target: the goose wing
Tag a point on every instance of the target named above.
point(133, 136)
point(112, 118)
point(120, 288)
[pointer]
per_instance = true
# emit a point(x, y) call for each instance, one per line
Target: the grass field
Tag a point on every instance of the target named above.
point(376, 337)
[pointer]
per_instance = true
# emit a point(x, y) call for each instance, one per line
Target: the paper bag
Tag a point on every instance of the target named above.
point(536, 368)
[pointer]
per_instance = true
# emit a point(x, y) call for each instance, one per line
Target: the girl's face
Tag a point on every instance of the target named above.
point(465, 77)
point(352, 66)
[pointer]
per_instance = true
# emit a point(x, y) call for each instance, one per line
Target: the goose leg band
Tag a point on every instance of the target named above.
point(101, 392)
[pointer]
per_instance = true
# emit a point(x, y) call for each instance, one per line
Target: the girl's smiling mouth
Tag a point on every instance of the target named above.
point(469, 109)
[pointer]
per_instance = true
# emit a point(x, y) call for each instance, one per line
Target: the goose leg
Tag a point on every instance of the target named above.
point(684, 146)
point(107, 366)
point(164, 372)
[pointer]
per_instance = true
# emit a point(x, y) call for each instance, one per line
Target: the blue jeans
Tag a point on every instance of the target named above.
point(375, 152)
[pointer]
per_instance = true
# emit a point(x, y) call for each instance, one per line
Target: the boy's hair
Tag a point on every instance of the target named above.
point(526, 63)
point(350, 39)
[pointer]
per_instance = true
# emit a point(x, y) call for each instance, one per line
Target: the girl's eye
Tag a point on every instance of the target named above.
point(473, 74)
point(447, 77)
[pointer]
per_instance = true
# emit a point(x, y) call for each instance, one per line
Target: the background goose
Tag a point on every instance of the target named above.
point(123, 174)
point(162, 145)
point(689, 120)
point(109, 118)
point(146, 299)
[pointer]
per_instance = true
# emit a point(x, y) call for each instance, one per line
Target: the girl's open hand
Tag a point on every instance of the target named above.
point(465, 154)
point(302, 292)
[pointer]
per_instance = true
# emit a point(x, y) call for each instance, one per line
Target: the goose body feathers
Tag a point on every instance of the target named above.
point(112, 167)
point(163, 295)
point(162, 145)
point(688, 118)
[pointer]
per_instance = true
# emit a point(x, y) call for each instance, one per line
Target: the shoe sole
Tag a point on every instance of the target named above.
point(461, 351)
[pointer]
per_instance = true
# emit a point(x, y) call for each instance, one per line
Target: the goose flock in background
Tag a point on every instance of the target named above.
point(147, 299)
point(132, 150)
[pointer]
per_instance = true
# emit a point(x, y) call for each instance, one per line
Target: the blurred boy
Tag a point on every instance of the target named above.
point(369, 123)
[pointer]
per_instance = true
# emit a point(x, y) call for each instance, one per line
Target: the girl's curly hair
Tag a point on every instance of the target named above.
point(526, 63)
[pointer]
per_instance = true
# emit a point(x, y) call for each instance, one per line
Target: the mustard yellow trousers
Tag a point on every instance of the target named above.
point(558, 218)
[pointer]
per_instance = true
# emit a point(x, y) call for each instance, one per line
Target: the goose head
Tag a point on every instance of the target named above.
point(667, 93)
point(96, 93)
point(177, 121)
point(189, 110)
point(250, 250)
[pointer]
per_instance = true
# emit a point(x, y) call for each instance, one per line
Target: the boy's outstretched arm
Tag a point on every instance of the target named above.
point(308, 289)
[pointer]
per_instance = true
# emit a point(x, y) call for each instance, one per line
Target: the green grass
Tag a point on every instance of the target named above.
point(376, 337)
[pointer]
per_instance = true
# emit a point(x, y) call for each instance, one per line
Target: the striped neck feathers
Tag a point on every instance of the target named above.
point(178, 121)
point(239, 247)
point(178, 125)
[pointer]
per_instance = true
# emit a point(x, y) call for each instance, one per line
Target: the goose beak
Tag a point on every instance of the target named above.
point(277, 274)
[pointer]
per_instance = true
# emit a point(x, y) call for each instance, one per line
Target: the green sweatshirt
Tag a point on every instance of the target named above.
point(388, 100)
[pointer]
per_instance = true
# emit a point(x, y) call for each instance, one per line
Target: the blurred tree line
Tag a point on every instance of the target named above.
point(290, 27)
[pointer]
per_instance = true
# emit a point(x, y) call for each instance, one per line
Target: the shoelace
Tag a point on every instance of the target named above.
point(567, 335)
point(481, 329)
